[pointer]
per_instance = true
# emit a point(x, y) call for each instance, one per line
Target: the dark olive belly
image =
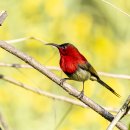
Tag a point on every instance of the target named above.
point(80, 75)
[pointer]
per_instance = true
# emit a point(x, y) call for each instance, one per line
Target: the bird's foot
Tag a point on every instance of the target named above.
point(81, 94)
point(62, 81)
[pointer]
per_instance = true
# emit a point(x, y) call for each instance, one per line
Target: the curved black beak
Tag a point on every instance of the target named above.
point(53, 44)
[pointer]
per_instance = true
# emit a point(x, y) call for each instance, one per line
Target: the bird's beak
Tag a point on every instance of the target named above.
point(53, 44)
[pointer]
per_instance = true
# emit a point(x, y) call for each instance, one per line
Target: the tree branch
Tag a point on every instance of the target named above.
point(3, 123)
point(41, 92)
point(15, 65)
point(3, 15)
point(115, 7)
point(122, 112)
point(24, 39)
point(119, 76)
point(68, 88)
point(50, 95)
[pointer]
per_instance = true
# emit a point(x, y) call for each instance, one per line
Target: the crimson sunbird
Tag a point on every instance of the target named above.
point(77, 67)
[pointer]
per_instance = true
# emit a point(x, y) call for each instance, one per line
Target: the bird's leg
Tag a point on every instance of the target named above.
point(82, 92)
point(63, 80)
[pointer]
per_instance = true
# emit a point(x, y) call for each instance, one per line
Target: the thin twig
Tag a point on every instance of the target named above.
point(3, 122)
point(3, 15)
point(51, 95)
point(15, 65)
point(63, 118)
point(117, 8)
point(68, 88)
point(41, 92)
point(24, 39)
point(18, 40)
point(119, 76)
point(123, 111)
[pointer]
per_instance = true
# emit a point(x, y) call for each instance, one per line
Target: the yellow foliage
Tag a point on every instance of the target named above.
point(54, 8)
point(30, 6)
point(105, 52)
point(101, 37)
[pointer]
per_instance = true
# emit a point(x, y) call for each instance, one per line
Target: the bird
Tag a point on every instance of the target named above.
point(77, 67)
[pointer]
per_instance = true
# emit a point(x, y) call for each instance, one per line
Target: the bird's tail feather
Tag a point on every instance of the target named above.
point(108, 87)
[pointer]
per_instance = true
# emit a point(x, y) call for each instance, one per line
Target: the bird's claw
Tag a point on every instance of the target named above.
point(81, 94)
point(62, 81)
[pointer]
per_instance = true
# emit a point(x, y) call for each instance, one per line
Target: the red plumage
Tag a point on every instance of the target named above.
point(70, 64)
point(70, 58)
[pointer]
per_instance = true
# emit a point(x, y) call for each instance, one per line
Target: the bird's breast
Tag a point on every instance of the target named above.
point(70, 67)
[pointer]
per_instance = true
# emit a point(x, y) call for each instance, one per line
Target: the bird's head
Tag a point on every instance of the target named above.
point(66, 49)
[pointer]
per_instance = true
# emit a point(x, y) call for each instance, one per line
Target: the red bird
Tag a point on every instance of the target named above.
point(76, 66)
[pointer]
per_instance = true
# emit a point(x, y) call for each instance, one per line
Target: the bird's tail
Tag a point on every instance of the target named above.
point(108, 87)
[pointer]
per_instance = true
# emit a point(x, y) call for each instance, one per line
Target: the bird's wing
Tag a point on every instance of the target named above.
point(88, 67)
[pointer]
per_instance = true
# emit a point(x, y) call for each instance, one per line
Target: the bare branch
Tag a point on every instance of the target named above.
point(15, 65)
point(51, 95)
point(123, 111)
point(117, 8)
point(63, 118)
point(24, 39)
point(18, 40)
point(120, 76)
point(41, 92)
point(68, 88)
point(3, 15)
point(3, 123)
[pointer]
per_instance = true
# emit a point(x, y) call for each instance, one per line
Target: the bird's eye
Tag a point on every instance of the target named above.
point(64, 47)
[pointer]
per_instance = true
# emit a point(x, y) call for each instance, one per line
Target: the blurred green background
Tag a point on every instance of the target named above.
point(99, 31)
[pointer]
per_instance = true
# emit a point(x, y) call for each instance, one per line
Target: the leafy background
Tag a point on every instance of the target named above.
point(99, 31)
